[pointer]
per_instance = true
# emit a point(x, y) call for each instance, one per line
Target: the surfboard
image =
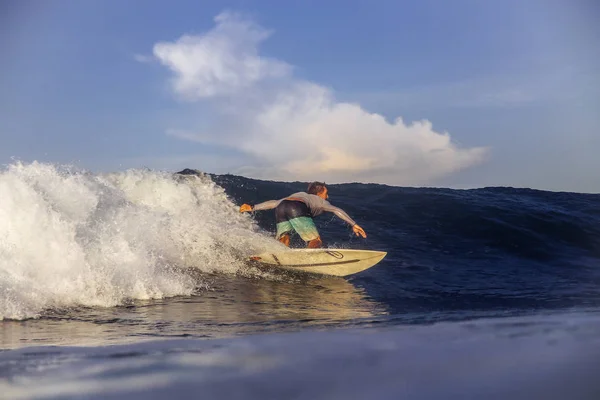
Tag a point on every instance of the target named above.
point(336, 262)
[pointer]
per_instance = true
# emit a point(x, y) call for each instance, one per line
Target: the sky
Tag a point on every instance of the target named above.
point(458, 94)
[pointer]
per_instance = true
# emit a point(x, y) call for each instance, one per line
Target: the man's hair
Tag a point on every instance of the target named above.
point(315, 187)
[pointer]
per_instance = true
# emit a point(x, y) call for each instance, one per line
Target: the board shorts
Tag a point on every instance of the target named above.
point(293, 215)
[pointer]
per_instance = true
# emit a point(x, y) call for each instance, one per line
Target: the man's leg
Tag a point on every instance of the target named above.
point(308, 231)
point(285, 239)
point(282, 217)
point(315, 243)
point(283, 232)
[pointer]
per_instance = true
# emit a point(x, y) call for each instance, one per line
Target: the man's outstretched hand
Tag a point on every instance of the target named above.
point(359, 231)
point(245, 208)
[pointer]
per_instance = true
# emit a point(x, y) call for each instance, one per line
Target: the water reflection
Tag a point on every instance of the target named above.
point(231, 306)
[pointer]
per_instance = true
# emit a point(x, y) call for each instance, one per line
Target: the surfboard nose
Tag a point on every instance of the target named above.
point(379, 255)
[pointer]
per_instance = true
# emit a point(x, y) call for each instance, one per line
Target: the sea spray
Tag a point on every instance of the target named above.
point(69, 237)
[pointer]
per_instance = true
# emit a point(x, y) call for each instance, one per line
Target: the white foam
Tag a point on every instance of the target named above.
point(70, 238)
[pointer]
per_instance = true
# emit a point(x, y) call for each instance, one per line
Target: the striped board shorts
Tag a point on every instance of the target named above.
point(295, 216)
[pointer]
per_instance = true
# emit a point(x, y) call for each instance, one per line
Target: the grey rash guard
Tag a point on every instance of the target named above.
point(315, 204)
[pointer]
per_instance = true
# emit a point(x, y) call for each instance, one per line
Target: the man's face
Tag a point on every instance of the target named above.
point(323, 194)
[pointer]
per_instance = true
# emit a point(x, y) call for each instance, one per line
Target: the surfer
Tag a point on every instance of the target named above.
point(296, 212)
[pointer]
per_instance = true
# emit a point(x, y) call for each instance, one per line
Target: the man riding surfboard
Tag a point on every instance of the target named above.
point(296, 212)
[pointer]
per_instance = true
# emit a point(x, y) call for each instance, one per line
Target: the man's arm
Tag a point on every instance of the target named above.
point(343, 215)
point(267, 205)
point(339, 213)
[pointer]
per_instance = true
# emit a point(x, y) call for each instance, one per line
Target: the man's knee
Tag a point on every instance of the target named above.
point(315, 243)
point(285, 239)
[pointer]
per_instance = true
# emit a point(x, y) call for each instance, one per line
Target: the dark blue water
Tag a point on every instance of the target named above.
point(460, 250)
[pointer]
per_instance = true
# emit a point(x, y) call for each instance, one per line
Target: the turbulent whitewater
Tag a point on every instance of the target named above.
point(71, 238)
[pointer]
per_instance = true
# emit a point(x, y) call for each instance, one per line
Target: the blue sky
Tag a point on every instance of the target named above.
point(308, 90)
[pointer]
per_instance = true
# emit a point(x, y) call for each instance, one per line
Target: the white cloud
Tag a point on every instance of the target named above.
point(220, 62)
point(295, 129)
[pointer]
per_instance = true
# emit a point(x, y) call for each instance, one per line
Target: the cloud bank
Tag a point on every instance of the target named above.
point(293, 129)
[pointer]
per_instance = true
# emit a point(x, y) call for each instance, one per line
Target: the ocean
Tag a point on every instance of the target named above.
point(133, 284)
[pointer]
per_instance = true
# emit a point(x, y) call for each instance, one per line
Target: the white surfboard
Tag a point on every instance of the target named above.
point(337, 262)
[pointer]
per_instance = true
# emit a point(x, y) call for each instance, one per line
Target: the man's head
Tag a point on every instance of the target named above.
point(319, 189)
